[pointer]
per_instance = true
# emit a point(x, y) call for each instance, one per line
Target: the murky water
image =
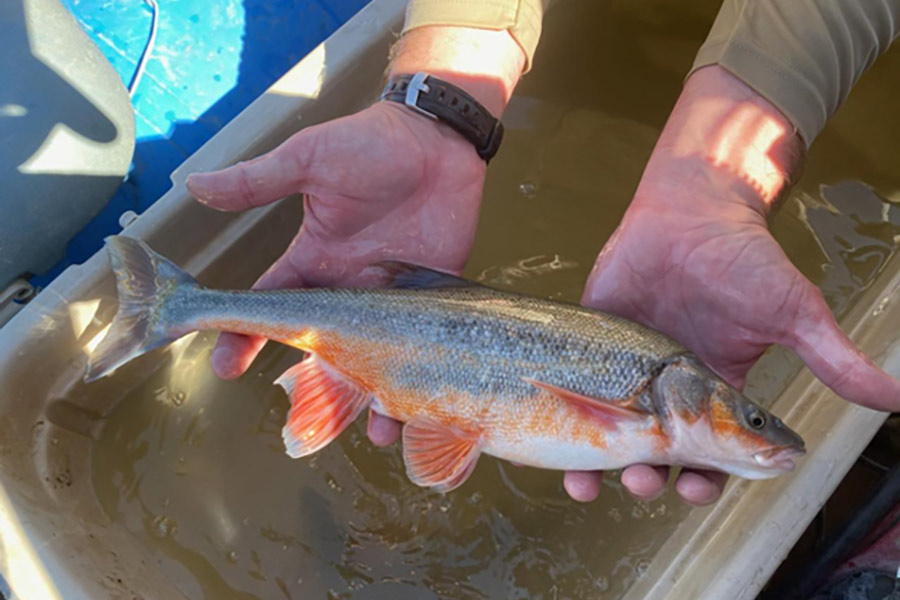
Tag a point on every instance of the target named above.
point(195, 467)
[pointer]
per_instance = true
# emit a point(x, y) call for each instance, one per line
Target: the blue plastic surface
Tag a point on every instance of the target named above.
point(210, 60)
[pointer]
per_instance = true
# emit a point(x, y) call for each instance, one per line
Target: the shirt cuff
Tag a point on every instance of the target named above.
point(521, 17)
point(803, 56)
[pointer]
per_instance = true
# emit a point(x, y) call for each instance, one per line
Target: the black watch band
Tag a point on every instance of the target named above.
point(442, 101)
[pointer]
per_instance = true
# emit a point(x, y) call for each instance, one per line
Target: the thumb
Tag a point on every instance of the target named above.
point(837, 362)
point(256, 182)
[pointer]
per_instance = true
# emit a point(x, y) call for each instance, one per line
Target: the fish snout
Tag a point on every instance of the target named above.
point(779, 457)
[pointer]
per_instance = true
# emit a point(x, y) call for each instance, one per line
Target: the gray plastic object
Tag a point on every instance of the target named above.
point(66, 134)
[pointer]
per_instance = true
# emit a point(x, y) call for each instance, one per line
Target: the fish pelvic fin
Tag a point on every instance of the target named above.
point(609, 413)
point(439, 456)
point(145, 281)
point(407, 276)
point(323, 403)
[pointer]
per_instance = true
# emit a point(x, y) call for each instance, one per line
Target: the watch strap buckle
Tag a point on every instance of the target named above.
point(415, 87)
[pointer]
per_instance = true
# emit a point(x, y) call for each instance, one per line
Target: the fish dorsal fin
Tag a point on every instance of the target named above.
point(402, 275)
point(608, 412)
point(439, 456)
point(323, 403)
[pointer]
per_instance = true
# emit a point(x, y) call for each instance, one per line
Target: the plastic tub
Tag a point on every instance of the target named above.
point(57, 541)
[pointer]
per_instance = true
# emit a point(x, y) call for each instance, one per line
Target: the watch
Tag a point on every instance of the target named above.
point(443, 101)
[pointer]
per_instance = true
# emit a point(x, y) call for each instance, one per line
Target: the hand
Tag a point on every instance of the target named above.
point(693, 258)
point(382, 184)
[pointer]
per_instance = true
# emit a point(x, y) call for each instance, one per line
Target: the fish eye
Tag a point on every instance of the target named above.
point(756, 419)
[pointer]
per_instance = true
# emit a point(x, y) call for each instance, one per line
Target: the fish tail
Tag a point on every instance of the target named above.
point(145, 281)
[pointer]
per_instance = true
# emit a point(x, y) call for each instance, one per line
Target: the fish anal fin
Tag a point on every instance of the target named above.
point(608, 412)
point(439, 456)
point(323, 403)
point(402, 275)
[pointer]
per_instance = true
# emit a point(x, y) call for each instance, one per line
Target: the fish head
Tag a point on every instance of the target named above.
point(712, 425)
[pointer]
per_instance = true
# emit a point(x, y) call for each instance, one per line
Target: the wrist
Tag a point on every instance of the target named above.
point(439, 135)
point(485, 63)
point(725, 133)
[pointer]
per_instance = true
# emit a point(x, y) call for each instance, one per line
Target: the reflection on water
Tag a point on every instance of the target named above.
point(195, 466)
point(528, 275)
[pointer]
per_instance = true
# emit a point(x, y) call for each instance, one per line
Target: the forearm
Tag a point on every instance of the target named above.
point(802, 55)
point(722, 133)
point(486, 63)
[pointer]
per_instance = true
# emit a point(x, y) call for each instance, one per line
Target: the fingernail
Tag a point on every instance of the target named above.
point(197, 177)
point(195, 182)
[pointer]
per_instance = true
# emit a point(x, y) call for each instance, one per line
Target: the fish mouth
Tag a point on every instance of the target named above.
point(778, 457)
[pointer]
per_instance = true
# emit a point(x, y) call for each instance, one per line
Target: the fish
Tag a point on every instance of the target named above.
point(467, 369)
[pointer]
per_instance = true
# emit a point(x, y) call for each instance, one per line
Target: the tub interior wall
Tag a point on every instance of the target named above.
point(165, 482)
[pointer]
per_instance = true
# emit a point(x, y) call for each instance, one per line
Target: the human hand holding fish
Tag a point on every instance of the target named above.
point(340, 237)
point(382, 184)
point(693, 258)
point(469, 370)
point(366, 201)
point(393, 205)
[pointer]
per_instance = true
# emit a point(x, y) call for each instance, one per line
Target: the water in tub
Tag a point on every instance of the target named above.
point(195, 467)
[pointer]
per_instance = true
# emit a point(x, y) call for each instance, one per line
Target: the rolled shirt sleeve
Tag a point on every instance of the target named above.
point(804, 56)
point(521, 17)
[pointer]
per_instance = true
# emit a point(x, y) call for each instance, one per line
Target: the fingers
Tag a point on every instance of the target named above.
point(234, 352)
point(700, 487)
point(645, 482)
point(583, 486)
point(832, 357)
point(256, 182)
point(695, 487)
point(383, 431)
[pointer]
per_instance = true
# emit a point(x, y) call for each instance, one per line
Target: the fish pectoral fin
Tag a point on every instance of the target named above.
point(402, 275)
point(323, 403)
point(439, 456)
point(608, 412)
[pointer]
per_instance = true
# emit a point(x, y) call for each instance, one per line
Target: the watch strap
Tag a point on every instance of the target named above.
point(443, 101)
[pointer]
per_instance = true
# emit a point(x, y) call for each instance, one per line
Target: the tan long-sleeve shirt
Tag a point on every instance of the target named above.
point(804, 56)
